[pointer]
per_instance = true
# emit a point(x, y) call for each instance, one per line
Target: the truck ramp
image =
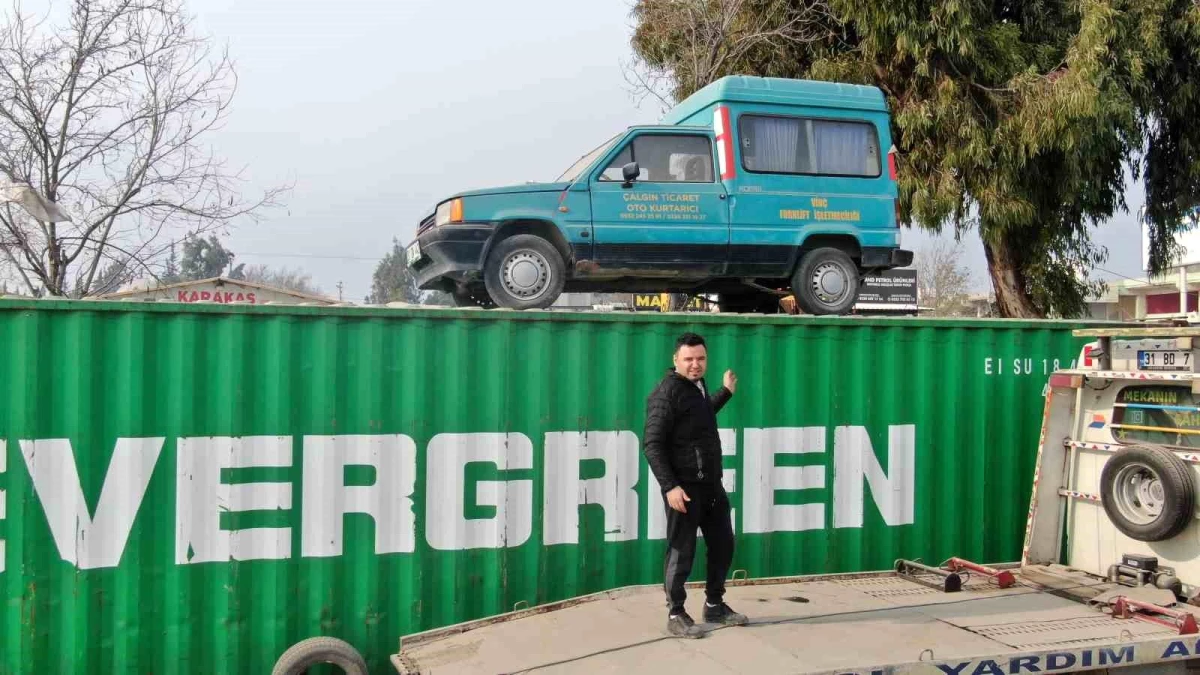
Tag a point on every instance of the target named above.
point(879, 623)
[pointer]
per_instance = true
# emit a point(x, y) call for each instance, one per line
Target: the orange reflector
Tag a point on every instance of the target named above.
point(1066, 381)
point(456, 211)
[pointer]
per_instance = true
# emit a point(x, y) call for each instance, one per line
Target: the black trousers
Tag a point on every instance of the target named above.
point(709, 511)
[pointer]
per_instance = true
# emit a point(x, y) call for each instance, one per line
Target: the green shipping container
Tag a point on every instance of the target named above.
point(193, 489)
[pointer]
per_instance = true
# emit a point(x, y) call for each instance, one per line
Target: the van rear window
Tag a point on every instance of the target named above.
point(797, 145)
point(1161, 414)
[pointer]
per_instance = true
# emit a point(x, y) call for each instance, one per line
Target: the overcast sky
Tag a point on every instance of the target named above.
point(377, 109)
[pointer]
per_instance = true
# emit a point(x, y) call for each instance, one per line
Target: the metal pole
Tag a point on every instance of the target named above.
point(1183, 305)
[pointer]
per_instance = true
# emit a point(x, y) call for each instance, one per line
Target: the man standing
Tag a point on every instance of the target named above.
point(683, 449)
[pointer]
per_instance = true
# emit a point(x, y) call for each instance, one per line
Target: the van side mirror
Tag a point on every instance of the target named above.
point(631, 171)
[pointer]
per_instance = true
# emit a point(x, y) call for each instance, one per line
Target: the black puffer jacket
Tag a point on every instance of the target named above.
point(680, 440)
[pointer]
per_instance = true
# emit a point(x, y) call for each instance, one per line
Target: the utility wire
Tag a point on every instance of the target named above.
point(308, 255)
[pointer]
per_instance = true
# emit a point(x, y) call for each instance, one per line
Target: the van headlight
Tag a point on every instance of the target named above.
point(449, 212)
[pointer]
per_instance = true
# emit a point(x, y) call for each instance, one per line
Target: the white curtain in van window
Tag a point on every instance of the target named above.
point(845, 148)
point(776, 144)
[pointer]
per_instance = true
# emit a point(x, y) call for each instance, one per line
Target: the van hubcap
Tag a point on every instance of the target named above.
point(1139, 493)
point(526, 275)
point(830, 283)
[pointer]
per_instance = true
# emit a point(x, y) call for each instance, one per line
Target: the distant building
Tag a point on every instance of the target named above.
point(1151, 298)
point(1147, 298)
point(217, 291)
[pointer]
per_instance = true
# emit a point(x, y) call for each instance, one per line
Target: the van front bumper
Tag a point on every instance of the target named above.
point(450, 254)
point(885, 257)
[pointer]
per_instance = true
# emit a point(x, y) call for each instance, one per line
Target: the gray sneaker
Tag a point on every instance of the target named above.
point(724, 615)
point(681, 625)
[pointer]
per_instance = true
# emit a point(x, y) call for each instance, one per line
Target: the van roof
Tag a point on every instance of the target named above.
point(778, 91)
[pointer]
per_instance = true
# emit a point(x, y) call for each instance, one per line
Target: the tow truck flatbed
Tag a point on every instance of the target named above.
point(1108, 580)
point(865, 623)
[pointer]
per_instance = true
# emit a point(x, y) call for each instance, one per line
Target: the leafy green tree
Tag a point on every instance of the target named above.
point(112, 276)
point(171, 273)
point(394, 282)
point(205, 258)
point(1018, 120)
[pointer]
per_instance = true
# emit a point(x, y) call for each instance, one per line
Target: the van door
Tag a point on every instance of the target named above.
point(801, 175)
point(674, 218)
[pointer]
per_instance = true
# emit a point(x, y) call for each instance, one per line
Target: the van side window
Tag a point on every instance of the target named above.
point(796, 145)
point(665, 158)
point(1162, 414)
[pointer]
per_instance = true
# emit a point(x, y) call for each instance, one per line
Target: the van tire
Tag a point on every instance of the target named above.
point(1141, 479)
point(307, 653)
point(826, 282)
point(524, 271)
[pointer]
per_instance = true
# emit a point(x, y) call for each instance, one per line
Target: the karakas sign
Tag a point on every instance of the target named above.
point(91, 538)
point(217, 297)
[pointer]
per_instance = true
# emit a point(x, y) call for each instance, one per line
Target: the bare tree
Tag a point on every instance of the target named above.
point(104, 116)
point(715, 37)
point(943, 282)
point(285, 277)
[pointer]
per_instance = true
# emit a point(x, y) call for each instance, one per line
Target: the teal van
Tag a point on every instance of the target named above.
point(749, 189)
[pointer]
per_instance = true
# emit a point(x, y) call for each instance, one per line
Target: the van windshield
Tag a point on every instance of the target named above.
point(585, 161)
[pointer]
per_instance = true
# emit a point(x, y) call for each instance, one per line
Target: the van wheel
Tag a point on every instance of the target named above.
point(1148, 492)
point(307, 653)
point(524, 272)
point(826, 282)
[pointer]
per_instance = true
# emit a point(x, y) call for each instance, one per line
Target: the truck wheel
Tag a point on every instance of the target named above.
point(825, 282)
point(524, 272)
point(307, 653)
point(1148, 492)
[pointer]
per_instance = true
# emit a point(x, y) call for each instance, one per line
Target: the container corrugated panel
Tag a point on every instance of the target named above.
point(193, 489)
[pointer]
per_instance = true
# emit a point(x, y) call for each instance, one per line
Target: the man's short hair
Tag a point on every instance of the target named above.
point(689, 340)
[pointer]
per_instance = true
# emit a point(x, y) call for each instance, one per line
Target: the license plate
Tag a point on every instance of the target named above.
point(1164, 359)
point(413, 253)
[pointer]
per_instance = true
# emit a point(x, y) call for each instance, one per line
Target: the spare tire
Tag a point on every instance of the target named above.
point(307, 653)
point(1148, 492)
